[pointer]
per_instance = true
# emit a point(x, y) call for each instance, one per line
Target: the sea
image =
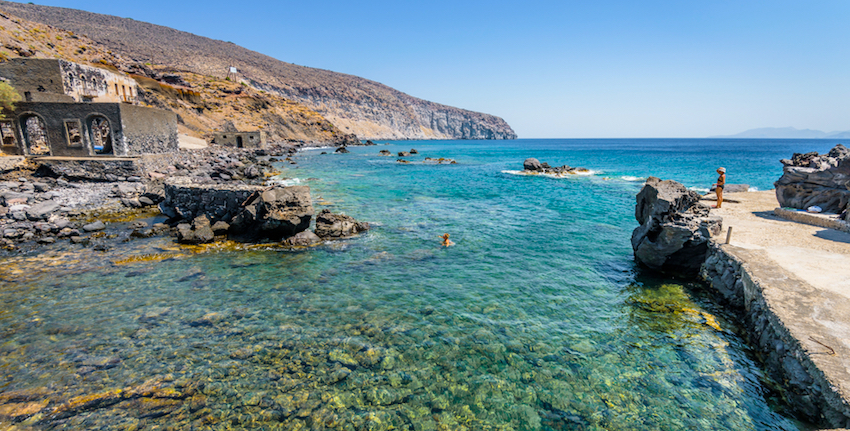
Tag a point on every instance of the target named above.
point(537, 318)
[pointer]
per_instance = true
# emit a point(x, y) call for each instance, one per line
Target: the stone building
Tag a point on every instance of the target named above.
point(74, 110)
point(49, 80)
point(240, 139)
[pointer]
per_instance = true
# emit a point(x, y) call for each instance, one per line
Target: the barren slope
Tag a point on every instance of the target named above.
point(355, 105)
point(204, 104)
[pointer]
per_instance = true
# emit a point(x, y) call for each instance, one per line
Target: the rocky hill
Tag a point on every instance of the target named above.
point(355, 105)
point(203, 104)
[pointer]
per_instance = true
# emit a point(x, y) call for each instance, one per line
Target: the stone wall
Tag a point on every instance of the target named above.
point(86, 83)
point(33, 76)
point(822, 220)
point(187, 201)
point(148, 130)
point(761, 295)
point(49, 80)
point(105, 169)
point(55, 116)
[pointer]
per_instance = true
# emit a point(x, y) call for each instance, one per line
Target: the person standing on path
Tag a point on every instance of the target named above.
point(718, 187)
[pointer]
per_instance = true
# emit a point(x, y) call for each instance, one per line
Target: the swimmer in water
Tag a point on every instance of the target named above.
point(446, 241)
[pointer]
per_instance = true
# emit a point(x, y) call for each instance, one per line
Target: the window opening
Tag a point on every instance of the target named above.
point(36, 136)
point(7, 133)
point(74, 133)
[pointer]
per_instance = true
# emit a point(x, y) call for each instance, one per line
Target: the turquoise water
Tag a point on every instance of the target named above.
point(536, 319)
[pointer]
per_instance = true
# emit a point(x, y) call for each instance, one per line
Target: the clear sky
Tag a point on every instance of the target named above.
point(558, 68)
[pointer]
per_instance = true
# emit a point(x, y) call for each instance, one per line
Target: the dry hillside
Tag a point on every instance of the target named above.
point(204, 104)
point(356, 105)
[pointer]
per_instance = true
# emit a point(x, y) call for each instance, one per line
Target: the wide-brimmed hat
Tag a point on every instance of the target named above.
point(721, 169)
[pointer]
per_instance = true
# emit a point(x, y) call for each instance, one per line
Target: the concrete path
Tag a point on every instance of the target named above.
point(818, 255)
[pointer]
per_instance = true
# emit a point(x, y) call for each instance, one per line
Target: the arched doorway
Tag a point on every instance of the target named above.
point(35, 135)
point(101, 135)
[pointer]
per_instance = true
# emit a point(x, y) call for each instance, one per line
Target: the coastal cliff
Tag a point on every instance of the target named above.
point(354, 105)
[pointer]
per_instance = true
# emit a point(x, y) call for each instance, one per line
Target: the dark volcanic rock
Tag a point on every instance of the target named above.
point(329, 225)
point(199, 232)
point(675, 228)
point(342, 150)
point(276, 213)
point(534, 165)
point(811, 179)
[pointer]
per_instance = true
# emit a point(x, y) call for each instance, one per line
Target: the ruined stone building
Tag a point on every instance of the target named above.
point(75, 110)
point(240, 139)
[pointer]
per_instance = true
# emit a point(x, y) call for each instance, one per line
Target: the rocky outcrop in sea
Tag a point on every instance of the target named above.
point(675, 228)
point(811, 179)
point(532, 165)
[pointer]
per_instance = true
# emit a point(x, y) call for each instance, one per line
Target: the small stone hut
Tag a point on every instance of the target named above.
point(241, 139)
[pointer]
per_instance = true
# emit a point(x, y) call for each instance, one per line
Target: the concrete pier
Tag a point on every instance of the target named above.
point(790, 283)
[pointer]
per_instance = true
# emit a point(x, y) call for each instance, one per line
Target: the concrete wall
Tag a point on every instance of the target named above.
point(241, 139)
point(759, 291)
point(148, 130)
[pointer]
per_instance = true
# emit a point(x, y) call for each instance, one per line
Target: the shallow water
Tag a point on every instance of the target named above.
point(536, 319)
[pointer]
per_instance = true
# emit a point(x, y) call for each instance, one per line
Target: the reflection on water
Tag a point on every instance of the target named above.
point(536, 319)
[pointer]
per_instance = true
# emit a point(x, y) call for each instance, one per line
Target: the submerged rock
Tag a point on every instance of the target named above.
point(816, 180)
point(302, 239)
point(675, 227)
point(329, 225)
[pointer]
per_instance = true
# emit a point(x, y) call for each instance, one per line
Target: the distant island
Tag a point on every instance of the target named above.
point(786, 133)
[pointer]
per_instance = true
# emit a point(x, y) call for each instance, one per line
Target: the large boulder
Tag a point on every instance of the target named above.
point(675, 228)
point(816, 180)
point(532, 164)
point(330, 225)
point(275, 213)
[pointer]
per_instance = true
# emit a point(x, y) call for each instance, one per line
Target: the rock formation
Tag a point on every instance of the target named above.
point(354, 105)
point(333, 226)
point(276, 213)
point(534, 165)
point(674, 228)
point(816, 180)
point(247, 212)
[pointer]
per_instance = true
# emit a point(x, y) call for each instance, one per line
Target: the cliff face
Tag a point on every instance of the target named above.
point(354, 105)
point(203, 104)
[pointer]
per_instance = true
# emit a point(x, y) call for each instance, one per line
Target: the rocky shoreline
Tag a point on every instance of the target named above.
point(48, 200)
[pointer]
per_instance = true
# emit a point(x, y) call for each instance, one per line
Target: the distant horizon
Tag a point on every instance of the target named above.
point(655, 69)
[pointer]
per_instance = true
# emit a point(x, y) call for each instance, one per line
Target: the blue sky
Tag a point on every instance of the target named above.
point(560, 69)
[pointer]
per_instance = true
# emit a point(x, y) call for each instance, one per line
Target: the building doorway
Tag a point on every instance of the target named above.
point(238, 142)
point(101, 136)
